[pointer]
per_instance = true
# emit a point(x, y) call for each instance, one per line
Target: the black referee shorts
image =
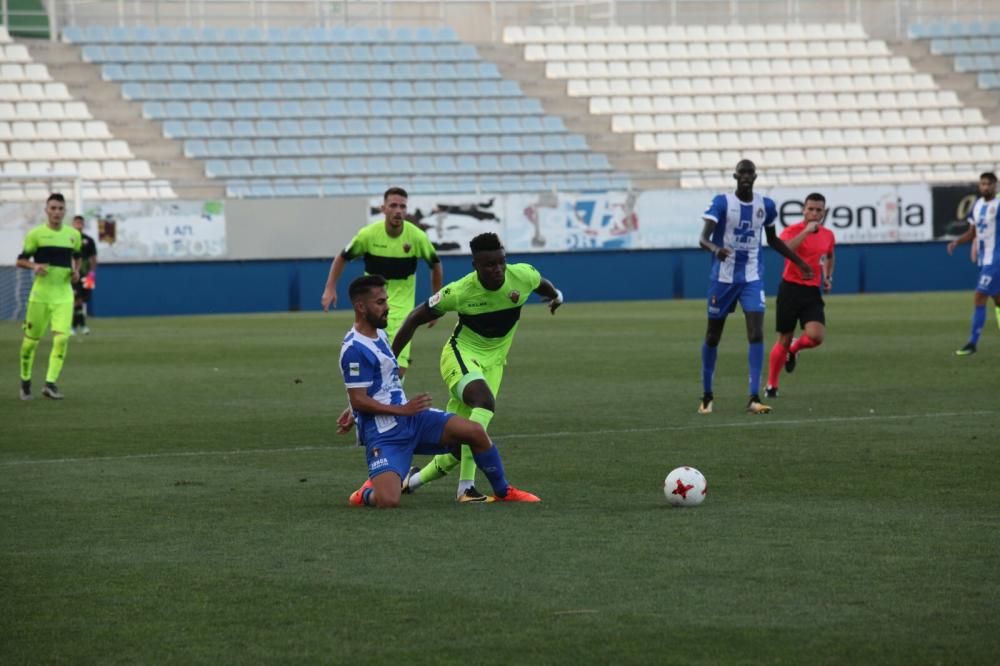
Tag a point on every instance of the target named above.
point(798, 303)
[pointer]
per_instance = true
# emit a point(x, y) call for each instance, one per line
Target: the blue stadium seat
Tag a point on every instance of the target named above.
point(424, 145)
point(467, 164)
point(287, 166)
point(217, 168)
point(309, 166)
point(94, 53)
point(380, 126)
point(236, 128)
point(533, 162)
point(268, 128)
point(401, 126)
point(334, 127)
point(215, 128)
point(555, 162)
point(528, 143)
point(311, 145)
point(175, 129)
point(263, 167)
point(468, 125)
point(489, 164)
point(553, 143)
point(490, 125)
point(333, 146)
point(261, 189)
point(218, 148)
point(242, 148)
point(334, 166)
point(467, 144)
point(270, 147)
point(356, 146)
point(356, 126)
point(511, 163)
point(196, 148)
point(490, 143)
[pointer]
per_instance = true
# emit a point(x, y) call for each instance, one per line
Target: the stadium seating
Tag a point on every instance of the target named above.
point(44, 132)
point(814, 103)
point(975, 46)
point(342, 110)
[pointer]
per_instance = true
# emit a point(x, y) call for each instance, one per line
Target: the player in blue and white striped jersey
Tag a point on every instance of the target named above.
point(732, 233)
point(392, 428)
point(984, 220)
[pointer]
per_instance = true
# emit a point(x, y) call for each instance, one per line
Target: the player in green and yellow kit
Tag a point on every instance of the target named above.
point(391, 249)
point(52, 252)
point(488, 302)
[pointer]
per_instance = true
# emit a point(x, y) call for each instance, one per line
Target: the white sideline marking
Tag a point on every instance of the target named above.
point(749, 422)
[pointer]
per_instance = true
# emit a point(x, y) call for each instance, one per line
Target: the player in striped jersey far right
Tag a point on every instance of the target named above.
point(983, 219)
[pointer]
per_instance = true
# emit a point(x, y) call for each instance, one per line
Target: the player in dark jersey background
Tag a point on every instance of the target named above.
point(88, 272)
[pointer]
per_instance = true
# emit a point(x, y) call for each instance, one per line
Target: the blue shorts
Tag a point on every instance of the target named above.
point(989, 280)
point(722, 298)
point(392, 451)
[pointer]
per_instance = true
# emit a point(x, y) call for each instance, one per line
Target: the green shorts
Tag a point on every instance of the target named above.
point(394, 323)
point(461, 366)
point(40, 315)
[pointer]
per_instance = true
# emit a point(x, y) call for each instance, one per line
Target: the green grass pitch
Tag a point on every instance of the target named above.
point(187, 502)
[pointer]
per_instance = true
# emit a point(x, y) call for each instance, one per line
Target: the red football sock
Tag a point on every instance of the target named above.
point(777, 363)
point(803, 342)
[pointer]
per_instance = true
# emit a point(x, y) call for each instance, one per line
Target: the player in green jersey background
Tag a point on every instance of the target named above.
point(52, 252)
point(391, 249)
point(488, 302)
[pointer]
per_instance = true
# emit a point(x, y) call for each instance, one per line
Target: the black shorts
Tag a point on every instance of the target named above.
point(798, 303)
point(81, 292)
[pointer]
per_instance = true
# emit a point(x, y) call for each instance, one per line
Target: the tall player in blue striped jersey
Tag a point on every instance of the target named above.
point(732, 233)
point(984, 218)
point(392, 428)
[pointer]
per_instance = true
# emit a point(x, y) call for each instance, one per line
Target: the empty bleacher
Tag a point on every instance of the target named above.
point(975, 46)
point(812, 103)
point(45, 132)
point(342, 110)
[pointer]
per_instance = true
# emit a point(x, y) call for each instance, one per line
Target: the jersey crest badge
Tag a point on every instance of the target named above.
point(376, 453)
point(515, 296)
point(355, 369)
point(407, 247)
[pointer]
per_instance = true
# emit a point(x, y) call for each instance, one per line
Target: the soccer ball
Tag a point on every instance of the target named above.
point(685, 486)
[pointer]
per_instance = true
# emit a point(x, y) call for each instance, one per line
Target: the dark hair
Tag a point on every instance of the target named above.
point(362, 285)
point(55, 196)
point(79, 217)
point(816, 196)
point(988, 175)
point(485, 243)
point(395, 190)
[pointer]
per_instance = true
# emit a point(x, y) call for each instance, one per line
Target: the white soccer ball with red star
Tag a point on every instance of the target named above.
point(685, 486)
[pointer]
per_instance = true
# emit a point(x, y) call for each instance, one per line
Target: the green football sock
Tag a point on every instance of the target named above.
point(28, 347)
point(437, 467)
point(468, 471)
point(60, 342)
point(996, 309)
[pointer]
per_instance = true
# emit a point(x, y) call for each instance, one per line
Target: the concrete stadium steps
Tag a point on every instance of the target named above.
point(125, 120)
point(942, 68)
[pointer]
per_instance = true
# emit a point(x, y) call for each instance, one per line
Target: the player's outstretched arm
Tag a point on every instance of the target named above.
point(831, 260)
point(782, 249)
point(705, 241)
point(552, 296)
point(329, 298)
point(437, 278)
point(418, 316)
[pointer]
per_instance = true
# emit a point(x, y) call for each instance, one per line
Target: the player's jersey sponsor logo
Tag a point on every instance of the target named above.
point(435, 299)
point(515, 296)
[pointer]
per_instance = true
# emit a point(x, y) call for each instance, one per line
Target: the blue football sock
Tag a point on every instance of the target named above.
point(978, 321)
point(708, 356)
point(755, 357)
point(491, 465)
point(366, 496)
